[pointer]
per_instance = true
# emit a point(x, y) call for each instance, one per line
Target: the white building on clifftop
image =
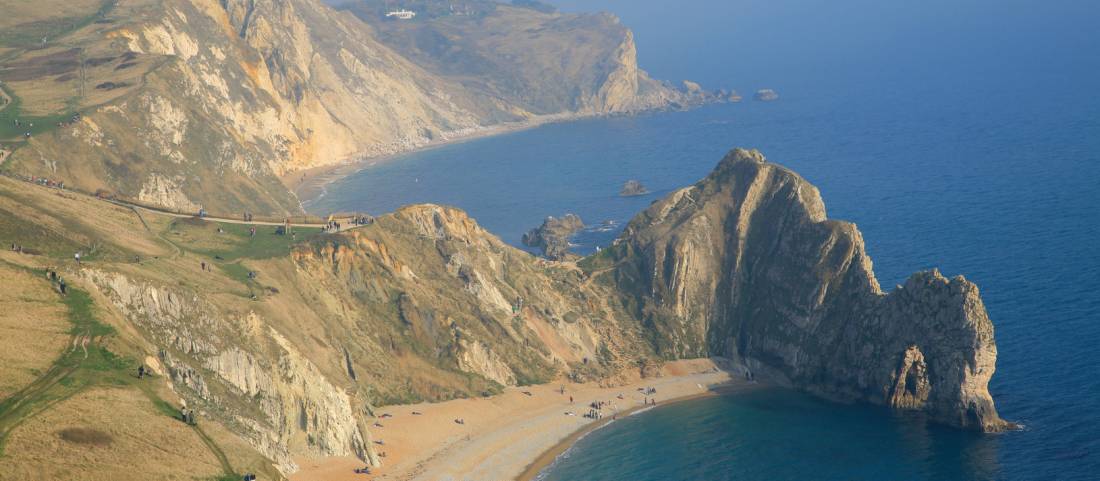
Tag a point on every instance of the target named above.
point(401, 14)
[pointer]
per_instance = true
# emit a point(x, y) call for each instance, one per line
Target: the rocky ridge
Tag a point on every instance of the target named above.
point(746, 264)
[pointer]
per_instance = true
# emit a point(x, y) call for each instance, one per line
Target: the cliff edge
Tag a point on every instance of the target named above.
point(746, 264)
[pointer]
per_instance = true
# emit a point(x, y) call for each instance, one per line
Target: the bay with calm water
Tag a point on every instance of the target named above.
point(958, 135)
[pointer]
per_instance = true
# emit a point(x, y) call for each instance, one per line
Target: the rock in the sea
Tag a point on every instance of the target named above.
point(632, 188)
point(692, 87)
point(766, 95)
point(733, 96)
point(553, 235)
point(745, 264)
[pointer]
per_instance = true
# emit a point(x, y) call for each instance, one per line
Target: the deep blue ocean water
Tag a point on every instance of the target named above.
point(959, 135)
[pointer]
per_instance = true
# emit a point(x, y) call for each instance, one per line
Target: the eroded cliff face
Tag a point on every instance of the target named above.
point(239, 370)
point(211, 103)
point(422, 305)
point(746, 264)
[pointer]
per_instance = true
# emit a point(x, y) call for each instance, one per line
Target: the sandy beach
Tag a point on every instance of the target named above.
point(513, 435)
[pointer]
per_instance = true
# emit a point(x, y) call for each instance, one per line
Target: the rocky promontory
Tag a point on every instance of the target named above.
point(553, 235)
point(745, 264)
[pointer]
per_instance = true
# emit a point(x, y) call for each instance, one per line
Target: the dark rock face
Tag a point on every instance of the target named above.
point(553, 235)
point(745, 264)
point(766, 95)
point(632, 188)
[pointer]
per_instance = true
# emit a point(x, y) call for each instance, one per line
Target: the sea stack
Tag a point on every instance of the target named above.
point(632, 188)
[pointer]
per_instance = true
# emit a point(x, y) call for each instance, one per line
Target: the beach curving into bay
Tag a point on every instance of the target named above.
point(514, 435)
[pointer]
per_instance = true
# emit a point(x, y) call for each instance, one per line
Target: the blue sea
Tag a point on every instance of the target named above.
point(962, 135)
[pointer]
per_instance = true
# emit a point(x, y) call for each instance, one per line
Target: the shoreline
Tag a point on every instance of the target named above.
point(515, 434)
point(548, 457)
point(310, 184)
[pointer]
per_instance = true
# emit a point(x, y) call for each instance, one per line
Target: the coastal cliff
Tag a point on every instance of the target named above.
point(292, 343)
point(204, 103)
point(745, 264)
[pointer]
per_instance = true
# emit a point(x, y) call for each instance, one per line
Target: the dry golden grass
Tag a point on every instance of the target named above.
point(33, 328)
point(86, 220)
point(93, 437)
point(141, 443)
point(20, 13)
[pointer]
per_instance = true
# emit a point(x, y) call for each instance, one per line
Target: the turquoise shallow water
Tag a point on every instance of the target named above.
point(959, 135)
point(784, 435)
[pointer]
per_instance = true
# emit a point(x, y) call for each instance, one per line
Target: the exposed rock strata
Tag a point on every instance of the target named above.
point(242, 374)
point(746, 264)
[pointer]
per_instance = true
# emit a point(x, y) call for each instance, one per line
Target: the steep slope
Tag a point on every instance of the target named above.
point(207, 103)
point(291, 343)
point(540, 60)
point(746, 264)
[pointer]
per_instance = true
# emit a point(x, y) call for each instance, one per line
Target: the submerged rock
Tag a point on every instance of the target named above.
point(632, 188)
point(553, 235)
point(766, 95)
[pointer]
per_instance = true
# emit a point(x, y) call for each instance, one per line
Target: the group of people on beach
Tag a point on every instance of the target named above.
point(596, 411)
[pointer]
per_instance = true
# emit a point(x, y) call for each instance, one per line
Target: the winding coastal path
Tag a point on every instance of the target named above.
point(344, 220)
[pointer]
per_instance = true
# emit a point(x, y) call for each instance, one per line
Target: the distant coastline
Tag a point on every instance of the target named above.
point(311, 184)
